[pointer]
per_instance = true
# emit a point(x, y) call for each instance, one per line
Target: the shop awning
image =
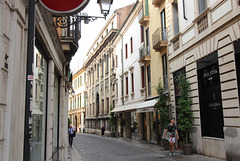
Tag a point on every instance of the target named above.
point(127, 107)
point(149, 103)
point(147, 106)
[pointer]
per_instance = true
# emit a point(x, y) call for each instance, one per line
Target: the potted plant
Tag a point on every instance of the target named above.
point(163, 111)
point(185, 114)
point(112, 123)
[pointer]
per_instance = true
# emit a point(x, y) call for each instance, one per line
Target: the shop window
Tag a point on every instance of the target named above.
point(39, 109)
point(210, 98)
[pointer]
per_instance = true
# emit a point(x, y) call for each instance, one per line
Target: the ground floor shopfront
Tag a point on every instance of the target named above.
point(212, 68)
point(138, 121)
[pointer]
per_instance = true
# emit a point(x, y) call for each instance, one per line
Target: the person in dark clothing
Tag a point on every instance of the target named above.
point(172, 131)
point(71, 132)
point(102, 130)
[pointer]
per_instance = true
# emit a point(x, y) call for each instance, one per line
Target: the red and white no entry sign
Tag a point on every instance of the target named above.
point(64, 7)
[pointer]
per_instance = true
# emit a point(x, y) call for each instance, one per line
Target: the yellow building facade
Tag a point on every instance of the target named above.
point(154, 56)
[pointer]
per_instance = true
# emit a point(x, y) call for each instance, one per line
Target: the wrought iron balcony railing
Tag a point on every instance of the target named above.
point(159, 38)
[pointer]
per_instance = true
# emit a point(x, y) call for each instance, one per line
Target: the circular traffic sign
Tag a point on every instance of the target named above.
point(64, 7)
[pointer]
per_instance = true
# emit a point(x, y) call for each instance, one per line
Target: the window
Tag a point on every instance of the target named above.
point(113, 62)
point(97, 70)
point(113, 87)
point(149, 80)
point(107, 64)
point(165, 72)
point(142, 76)
point(102, 66)
point(80, 101)
point(175, 15)
point(132, 82)
point(126, 85)
point(163, 28)
point(90, 77)
point(36, 60)
point(202, 4)
point(80, 80)
point(116, 61)
point(102, 109)
point(131, 42)
point(116, 90)
point(147, 41)
point(84, 100)
point(142, 34)
point(106, 31)
point(184, 10)
point(84, 77)
point(107, 105)
point(126, 51)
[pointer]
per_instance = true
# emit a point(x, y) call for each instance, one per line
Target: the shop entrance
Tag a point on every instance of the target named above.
point(144, 125)
point(210, 97)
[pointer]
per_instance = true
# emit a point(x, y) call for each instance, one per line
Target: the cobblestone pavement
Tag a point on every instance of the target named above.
point(98, 148)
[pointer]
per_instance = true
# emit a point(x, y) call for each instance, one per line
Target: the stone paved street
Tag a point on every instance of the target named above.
point(98, 148)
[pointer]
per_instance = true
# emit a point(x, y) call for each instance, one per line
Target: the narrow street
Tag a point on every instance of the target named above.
point(97, 148)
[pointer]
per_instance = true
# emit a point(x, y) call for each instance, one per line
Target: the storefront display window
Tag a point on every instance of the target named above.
point(39, 100)
point(56, 118)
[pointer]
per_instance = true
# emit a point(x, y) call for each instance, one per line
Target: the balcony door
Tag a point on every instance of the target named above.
point(163, 25)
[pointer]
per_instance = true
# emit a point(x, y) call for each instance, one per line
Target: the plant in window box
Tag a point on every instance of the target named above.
point(185, 114)
point(164, 111)
point(112, 122)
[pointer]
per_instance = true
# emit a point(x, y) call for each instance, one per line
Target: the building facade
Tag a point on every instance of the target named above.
point(154, 60)
point(100, 69)
point(77, 101)
point(204, 43)
point(48, 96)
point(128, 76)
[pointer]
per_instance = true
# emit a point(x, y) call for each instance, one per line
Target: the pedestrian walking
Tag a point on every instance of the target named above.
point(172, 131)
point(71, 134)
point(102, 130)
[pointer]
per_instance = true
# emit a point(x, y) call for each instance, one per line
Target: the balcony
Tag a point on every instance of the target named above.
point(144, 54)
point(69, 36)
point(159, 39)
point(143, 18)
point(156, 3)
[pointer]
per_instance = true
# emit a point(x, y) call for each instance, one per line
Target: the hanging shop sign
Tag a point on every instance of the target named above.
point(64, 7)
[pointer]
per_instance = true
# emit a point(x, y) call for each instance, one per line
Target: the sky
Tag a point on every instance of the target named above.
point(90, 31)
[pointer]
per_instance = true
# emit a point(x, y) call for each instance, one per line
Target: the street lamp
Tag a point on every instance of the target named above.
point(105, 6)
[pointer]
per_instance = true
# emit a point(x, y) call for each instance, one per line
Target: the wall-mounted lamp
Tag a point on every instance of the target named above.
point(105, 6)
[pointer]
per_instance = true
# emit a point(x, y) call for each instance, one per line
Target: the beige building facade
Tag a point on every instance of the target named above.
point(100, 69)
point(77, 100)
point(204, 43)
